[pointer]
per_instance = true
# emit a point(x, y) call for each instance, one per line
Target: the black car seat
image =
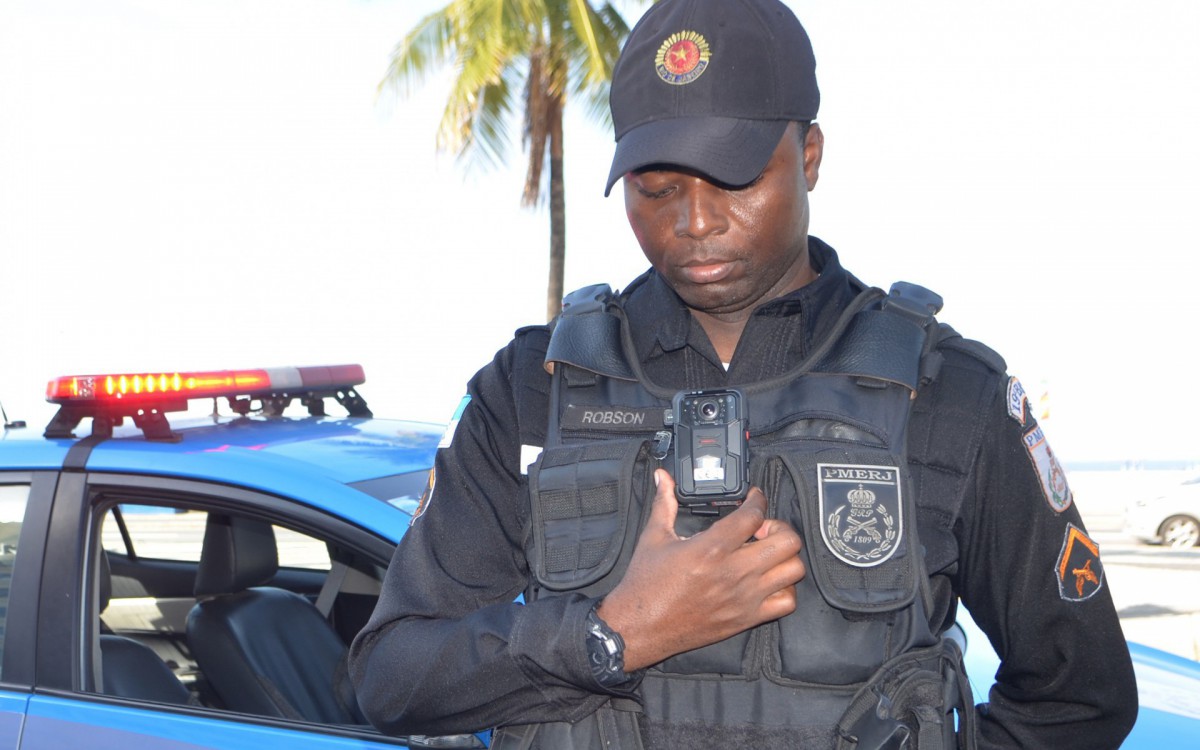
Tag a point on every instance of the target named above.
point(263, 649)
point(129, 668)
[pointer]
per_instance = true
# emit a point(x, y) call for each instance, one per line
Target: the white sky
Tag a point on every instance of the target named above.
point(209, 185)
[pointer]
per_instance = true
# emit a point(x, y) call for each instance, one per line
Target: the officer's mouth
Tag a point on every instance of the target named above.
point(706, 272)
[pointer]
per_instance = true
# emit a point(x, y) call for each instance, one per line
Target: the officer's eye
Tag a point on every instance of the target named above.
point(655, 194)
point(652, 184)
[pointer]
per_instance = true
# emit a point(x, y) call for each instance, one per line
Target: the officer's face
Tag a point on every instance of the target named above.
point(726, 249)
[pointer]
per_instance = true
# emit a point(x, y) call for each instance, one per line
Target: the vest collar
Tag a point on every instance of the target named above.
point(817, 305)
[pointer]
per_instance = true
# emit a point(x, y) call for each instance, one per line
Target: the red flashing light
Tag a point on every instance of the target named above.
point(132, 388)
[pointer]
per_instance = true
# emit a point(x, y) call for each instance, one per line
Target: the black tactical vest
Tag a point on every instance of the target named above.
point(858, 664)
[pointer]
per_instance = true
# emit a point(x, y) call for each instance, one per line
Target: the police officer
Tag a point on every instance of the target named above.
point(896, 469)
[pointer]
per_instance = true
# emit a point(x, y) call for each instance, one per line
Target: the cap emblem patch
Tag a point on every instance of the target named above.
point(682, 58)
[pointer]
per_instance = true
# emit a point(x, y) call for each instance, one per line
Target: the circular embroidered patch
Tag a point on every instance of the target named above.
point(682, 58)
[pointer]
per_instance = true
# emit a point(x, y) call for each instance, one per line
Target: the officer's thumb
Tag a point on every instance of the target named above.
point(665, 508)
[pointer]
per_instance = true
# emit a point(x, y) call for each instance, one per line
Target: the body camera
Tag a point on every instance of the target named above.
point(711, 451)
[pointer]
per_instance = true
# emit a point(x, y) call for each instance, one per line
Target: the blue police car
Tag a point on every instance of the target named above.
point(193, 583)
point(183, 583)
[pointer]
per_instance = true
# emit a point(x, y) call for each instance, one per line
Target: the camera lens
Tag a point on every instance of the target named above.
point(708, 409)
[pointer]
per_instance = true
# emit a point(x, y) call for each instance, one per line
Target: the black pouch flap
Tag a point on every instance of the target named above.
point(859, 526)
point(581, 498)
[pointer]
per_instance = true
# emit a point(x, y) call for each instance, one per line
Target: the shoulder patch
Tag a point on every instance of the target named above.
point(1079, 571)
point(1018, 403)
point(1050, 473)
point(448, 435)
point(426, 497)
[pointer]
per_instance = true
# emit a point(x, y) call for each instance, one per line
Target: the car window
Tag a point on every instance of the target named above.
point(166, 533)
point(154, 641)
point(13, 499)
point(161, 635)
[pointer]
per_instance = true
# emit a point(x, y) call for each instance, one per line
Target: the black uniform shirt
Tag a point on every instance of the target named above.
point(448, 651)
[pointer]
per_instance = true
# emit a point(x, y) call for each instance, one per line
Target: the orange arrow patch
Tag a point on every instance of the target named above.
point(1079, 570)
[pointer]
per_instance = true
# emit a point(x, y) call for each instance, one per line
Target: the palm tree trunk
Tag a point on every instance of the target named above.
point(558, 216)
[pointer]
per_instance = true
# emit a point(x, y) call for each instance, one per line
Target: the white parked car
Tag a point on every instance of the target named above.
point(1171, 519)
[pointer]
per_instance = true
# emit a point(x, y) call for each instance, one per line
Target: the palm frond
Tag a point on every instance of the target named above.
point(549, 50)
point(589, 39)
point(489, 138)
point(427, 46)
point(484, 49)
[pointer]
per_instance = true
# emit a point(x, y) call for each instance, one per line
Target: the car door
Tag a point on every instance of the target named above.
point(24, 512)
point(115, 518)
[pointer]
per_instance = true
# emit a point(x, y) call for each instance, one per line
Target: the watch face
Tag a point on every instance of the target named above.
point(605, 652)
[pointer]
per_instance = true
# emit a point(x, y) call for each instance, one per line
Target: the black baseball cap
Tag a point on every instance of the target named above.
point(711, 85)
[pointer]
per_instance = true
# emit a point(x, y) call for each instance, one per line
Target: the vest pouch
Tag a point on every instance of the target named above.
point(849, 618)
point(726, 657)
point(911, 704)
point(859, 525)
point(583, 498)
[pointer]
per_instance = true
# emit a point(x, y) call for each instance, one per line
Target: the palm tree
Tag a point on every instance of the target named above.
point(546, 49)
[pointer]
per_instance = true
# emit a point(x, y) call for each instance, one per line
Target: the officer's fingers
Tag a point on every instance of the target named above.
point(779, 603)
point(787, 574)
point(775, 527)
point(740, 525)
point(776, 542)
point(779, 586)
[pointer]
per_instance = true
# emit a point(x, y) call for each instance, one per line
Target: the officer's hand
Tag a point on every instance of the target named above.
point(680, 594)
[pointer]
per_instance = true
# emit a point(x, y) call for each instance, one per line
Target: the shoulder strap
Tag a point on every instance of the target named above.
point(884, 336)
point(890, 342)
point(588, 336)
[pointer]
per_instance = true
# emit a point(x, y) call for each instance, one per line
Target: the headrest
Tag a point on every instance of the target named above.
point(238, 553)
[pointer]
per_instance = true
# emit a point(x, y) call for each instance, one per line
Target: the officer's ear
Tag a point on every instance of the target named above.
point(814, 148)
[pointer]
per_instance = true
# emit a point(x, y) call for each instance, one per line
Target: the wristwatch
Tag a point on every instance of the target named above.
point(606, 651)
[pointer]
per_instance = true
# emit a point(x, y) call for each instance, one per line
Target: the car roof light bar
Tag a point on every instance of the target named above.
point(146, 396)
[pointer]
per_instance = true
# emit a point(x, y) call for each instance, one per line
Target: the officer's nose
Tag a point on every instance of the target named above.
point(702, 210)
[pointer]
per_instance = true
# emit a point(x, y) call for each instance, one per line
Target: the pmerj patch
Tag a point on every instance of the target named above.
point(1018, 402)
point(1051, 475)
point(448, 435)
point(861, 513)
point(1079, 571)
